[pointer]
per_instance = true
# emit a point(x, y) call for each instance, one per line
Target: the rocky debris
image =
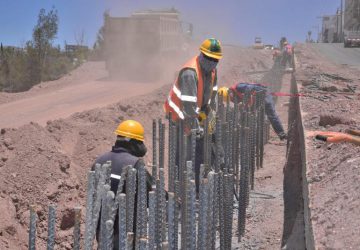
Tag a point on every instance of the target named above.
point(67, 219)
point(332, 120)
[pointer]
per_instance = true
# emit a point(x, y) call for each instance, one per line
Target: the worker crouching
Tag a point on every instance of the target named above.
point(240, 89)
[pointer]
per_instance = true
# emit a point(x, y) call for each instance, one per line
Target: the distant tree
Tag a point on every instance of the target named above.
point(99, 45)
point(44, 34)
point(308, 39)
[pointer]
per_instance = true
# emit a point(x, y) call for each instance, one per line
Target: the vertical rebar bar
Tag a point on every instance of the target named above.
point(130, 199)
point(243, 176)
point(171, 220)
point(130, 241)
point(154, 145)
point(152, 216)
point(143, 244)
point(183, 188)
point(217, 203)
point(109, 224)
point(252, 149)
point(51, 227)
point(191, 217)
point(203, 208)
point(193, 152)
point(158, 215)
point(171, 156)
point(211, 227)
point(176, 215)
point(77, 228)
point(104, 217)
point(221, 210)
point(262, 128)
point(32, 228)
point(165, 245)
point(161, 143)
point(100, 179)
point(218, 144)
point(88, 240)
point(141, 213)
point(206, 141)
point(162, 204)
point(122, 221)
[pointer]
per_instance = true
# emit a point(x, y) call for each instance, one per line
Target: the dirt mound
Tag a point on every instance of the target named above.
point(332, 120)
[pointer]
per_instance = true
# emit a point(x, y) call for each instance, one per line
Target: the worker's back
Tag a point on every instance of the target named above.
point(120, 158)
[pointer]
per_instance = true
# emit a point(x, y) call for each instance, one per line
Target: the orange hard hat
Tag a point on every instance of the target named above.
point(130, 129)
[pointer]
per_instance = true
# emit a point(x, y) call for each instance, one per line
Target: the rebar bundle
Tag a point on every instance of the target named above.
point(188, 218)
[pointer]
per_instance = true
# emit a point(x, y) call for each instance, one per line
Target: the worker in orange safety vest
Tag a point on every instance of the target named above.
point(194, 94)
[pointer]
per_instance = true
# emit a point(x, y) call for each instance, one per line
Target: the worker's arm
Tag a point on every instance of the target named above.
point(188, 89)
point(214, 95)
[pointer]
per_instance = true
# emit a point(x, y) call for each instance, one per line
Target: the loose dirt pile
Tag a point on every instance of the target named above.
point(42, 165)
point(331, 103)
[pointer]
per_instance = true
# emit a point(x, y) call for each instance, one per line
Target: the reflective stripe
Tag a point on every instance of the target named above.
point(177, 92)
point(215, 88)
point(114, 176)
point(176, 109)
point(188, 98)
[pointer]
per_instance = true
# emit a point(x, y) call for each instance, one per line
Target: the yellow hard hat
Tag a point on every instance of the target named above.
point(224, 92)
point(131, 129)
point(212, 48)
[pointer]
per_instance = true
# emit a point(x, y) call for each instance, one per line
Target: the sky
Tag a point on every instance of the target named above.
point(231, 21)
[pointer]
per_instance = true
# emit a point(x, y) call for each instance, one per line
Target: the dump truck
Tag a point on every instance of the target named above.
point(258, 43)
point(137, 47)
point(352, 39)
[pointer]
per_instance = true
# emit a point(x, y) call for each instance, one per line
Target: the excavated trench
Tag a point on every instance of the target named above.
point(297, 230)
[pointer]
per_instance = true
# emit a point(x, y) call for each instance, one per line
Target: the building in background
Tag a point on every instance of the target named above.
point(329, 31)
point(352, 15)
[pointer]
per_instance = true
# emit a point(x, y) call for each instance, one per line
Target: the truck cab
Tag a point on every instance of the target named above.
point(258, 43)
point(352, 39)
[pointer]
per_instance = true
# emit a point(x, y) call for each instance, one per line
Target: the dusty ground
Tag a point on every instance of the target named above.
point(332, 103)
point(47, 162)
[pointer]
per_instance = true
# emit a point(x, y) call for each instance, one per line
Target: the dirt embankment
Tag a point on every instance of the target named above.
point(48, 164)
point(331, 103)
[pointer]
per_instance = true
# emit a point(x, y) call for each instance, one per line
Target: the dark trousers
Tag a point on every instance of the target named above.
point(199, 157)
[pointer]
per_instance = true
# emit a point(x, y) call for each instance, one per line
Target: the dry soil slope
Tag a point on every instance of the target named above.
point(333, 171)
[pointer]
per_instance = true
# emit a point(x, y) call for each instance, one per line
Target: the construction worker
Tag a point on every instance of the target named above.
point(240, 88)
point(287, 52)
point(276, 55)
point(128, 149)
point(282, 41)
point(193, 95)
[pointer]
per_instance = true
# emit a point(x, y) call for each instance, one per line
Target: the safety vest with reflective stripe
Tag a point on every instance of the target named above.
point(173, 104)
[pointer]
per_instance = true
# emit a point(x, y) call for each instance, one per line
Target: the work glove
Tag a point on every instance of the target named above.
point(199, 133)
point(282, 136)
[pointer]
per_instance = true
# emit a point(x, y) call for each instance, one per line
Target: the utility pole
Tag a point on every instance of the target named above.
point(341, 22)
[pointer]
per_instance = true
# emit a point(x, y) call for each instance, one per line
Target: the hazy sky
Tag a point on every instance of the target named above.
point(232, 21)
